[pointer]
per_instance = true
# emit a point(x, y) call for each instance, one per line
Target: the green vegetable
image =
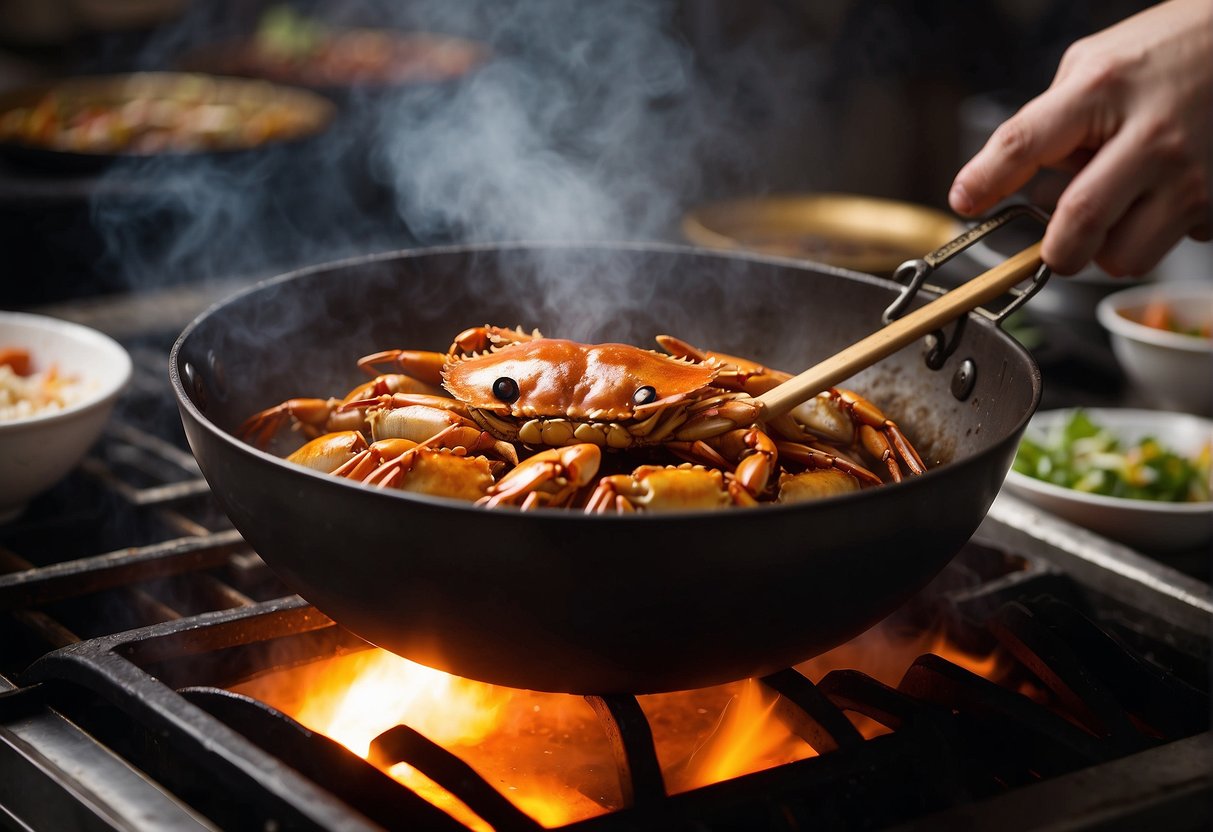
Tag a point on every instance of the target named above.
point(287, 34)
point(1080, 454)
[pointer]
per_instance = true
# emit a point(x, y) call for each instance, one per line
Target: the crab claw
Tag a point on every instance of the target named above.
point(656, 489)
point(480, 338)
point(421, 365)
point(364, 464)
point(549, 478)
point(329, 452)
point(717, 416)
point(440, 473)
point(814, 485)
point(749, 453)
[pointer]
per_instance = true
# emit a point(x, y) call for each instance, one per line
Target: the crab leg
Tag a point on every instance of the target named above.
point(549, 478)
point(749, 453)
point(736, 373)
point(815, 459)
point(422, 365)
point(312, 416)
point(317, 416)
point(427, 366)
point(364, 464)
point(399, 400)
point(879, 434)
point(397, 417)
point(716, 416)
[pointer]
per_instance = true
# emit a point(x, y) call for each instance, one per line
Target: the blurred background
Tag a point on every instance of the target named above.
point(523, 119)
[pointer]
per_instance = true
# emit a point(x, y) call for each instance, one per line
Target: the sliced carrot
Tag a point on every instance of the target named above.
point(17, 358)
point(1156, 315)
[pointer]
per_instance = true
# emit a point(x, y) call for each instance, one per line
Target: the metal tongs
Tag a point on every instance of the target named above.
point(927, 320)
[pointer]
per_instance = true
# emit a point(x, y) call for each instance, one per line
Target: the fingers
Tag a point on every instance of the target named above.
point(1136, 243)
point(1150, 227)
point(1048, 130)
point(1135, 199)
point(1094, 201)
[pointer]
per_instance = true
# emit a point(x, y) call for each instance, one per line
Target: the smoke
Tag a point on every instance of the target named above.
point(169, 219)
point(587, 122)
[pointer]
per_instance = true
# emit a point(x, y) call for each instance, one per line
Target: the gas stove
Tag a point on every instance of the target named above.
point(154, 673)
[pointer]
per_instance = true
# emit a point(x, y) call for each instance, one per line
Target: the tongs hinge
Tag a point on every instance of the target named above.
point(914, 274)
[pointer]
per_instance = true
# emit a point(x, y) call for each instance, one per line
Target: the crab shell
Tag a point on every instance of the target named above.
point(570, 392)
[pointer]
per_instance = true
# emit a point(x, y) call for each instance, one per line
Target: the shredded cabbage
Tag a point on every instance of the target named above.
point(1082, 455)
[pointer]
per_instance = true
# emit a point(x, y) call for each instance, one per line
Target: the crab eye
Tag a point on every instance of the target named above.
point(644, 395)
point(506, 389)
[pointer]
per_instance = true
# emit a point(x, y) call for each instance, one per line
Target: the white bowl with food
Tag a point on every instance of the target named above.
point(1142, 477)
point(1163, 338)
point(58, 384)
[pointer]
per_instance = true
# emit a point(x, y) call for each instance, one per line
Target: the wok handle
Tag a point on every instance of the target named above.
point(900, 333)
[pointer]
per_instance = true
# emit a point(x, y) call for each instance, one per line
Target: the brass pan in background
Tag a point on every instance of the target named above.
point(861, 233)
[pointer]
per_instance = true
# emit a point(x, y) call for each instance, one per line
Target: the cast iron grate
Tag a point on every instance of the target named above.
point(130, 539)
point(156, 696)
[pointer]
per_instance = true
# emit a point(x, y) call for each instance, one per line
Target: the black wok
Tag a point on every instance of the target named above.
point(556, 600)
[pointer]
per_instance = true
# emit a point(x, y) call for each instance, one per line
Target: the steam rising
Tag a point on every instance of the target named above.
point(584, 126)
point(588, 122)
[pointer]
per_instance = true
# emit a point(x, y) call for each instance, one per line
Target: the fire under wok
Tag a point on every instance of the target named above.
point(560, 600)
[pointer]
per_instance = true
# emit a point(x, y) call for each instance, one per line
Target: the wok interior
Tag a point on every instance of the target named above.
point(303, 336)
point(556, 600)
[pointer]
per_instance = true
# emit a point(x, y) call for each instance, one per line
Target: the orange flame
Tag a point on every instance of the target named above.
point(352, 699)
point(547, 753)
point(747, 737)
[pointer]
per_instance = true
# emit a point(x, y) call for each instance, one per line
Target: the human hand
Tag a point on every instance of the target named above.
point(1131, 112)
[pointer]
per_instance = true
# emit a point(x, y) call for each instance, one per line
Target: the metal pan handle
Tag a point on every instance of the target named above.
point(925, 320)
point(914, 274)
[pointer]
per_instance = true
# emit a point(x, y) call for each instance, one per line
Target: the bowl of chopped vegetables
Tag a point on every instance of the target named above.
point(1162, 335)
point(1142, 477)
point(58, 384)
point(87, 122)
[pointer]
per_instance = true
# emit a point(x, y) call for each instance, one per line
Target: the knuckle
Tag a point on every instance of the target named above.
point(1104, 76)
point(1168, 144)
point(1074, 56)
point(1082, 212)
point(1100, 73)
point(1013, 140)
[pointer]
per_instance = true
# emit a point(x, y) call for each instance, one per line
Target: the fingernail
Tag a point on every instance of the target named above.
point(959, 199)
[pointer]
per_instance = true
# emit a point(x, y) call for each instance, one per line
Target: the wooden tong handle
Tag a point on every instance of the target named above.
point(901, 332)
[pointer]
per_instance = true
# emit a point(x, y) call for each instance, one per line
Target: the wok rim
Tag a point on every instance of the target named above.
point(185, 401)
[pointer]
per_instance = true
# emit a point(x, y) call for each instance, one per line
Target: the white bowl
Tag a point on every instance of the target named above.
point(38, 451)
point(1173, 371)
point(1150, 525)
